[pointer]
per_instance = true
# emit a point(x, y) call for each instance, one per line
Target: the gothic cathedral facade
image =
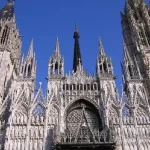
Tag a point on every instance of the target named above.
point(80, 111)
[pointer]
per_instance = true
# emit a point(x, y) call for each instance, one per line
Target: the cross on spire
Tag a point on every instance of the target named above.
point(76, 28)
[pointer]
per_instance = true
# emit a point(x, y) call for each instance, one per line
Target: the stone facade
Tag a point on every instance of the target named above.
point(78, 109)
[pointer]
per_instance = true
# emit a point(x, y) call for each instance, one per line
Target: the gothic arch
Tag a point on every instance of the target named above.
point(113, 114)
point(21, 100)
point(82, 98)
point(29, 71)
point(82, 119)
point(38, 109)
point(53, 115)
point(4, 36)
point(20, 115)
point(25, 70)
point(56, 106)
point(36, 104)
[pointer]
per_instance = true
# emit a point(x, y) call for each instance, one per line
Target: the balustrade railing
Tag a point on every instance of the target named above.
point(96, 137)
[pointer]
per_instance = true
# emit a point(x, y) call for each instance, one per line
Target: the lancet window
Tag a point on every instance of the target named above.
point(29, 71)
point(5, 35)
point(56, 68)
point(83, 121)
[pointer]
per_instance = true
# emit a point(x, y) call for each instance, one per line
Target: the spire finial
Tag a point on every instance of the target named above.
point(40, 83)
point(30, 51)
point(57, 48)
point(101, 48)
point(76, 28)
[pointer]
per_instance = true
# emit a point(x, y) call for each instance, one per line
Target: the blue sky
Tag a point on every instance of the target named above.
point(45, 20)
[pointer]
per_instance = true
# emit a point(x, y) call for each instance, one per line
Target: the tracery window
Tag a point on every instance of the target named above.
point(82, 121)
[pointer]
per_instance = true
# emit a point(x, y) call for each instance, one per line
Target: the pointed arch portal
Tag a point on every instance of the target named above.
point(84, 129)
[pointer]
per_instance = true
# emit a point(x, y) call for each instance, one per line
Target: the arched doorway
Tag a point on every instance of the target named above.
point(83, 121)
point(84, 128)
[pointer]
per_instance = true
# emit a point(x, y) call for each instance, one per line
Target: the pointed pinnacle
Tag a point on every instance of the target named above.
point(101, 48)
point(30, 51)
point(57, 48)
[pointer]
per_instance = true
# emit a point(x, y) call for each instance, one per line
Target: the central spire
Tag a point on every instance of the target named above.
point(77, 55)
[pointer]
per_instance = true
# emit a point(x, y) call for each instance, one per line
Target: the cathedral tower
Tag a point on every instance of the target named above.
point(10, 48)
point(135, 25)
point(106, 79)
point(135, 68)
